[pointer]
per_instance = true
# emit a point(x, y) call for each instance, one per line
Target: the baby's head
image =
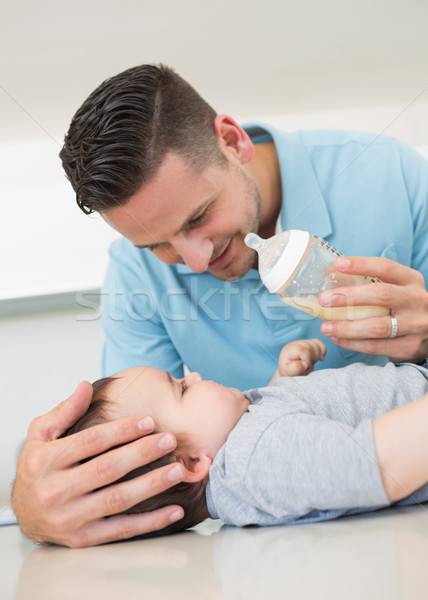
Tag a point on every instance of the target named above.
point(199, 413)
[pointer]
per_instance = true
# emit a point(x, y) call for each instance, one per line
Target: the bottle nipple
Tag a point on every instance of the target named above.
point(253, 241)
point(279, 255)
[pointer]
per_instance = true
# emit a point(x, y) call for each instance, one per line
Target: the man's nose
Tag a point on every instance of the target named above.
point(194, 249)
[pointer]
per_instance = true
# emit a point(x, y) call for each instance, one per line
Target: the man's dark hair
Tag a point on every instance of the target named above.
point(191, 496)
point(121, 134)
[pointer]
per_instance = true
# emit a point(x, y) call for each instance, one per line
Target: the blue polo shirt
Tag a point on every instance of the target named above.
point(366, 195)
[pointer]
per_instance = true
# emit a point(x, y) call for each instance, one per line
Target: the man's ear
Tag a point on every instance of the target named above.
point(197, 467)
point(232, 138)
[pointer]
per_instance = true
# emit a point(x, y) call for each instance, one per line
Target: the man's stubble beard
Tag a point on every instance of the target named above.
point(253, 196)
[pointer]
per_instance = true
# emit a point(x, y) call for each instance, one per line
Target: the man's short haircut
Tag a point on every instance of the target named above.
point(191, 496)
point(121, 134)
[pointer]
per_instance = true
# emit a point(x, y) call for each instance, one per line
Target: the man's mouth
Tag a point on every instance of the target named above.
point(222, 258)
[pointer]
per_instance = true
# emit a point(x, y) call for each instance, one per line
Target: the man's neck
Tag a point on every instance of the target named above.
point(264, 168)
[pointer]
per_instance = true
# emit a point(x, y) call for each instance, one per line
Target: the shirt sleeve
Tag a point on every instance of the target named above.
point(304, 463)
point(134, 332)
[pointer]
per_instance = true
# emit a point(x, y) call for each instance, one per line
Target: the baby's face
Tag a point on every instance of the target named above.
point(206, 411)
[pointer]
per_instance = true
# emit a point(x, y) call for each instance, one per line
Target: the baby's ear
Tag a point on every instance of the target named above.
point(197, 467)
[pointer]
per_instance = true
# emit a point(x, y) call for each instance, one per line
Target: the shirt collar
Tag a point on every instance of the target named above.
point(303, 204)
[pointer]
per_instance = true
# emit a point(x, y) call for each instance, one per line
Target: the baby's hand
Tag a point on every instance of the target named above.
point(299, 357)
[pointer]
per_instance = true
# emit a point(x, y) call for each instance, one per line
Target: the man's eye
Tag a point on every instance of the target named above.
point(199, 219)
point(183, 387)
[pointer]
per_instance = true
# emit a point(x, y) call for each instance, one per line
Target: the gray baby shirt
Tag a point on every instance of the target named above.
point(304, 451)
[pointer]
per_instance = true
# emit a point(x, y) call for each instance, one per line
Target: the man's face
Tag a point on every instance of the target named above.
point(196, 218)
point(204, 410)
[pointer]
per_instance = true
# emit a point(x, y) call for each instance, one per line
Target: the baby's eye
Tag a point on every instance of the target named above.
point(183, 387)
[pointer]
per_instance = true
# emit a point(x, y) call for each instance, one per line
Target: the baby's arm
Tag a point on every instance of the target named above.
point(299, 357)
point(401, 442)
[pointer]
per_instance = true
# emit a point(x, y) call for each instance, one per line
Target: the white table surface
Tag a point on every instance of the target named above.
point(377, 556)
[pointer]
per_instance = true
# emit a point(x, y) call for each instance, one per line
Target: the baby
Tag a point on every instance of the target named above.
point(311, 446)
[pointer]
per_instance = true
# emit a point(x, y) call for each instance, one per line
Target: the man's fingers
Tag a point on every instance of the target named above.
point(122, 496)
point(408, 350)
point(99, 438)
point(112, 465)
point(53, 424)
point(385, 269)
point(374, 328)
point(372, 294)
point(83, 515)
point(123, 527)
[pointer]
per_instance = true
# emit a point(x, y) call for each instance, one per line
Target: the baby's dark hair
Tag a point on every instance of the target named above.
point(191, 496)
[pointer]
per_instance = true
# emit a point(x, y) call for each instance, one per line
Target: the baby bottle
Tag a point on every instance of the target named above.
point(297, 267)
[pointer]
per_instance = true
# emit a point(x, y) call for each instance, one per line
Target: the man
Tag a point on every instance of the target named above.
point(184, 186)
